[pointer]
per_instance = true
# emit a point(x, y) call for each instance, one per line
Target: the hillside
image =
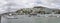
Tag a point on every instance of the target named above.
point(38, 10)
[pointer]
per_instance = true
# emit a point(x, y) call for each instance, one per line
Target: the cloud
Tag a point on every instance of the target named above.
point(49, 3)
point(27, 4)
point(4, 4)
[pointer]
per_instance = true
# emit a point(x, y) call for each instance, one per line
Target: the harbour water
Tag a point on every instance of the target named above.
point(32, 19)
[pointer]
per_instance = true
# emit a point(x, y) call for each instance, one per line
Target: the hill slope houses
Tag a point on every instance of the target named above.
point(37, 10)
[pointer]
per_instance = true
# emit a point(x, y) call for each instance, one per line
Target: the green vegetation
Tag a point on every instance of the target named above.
point(38, 10)
point(58, 12)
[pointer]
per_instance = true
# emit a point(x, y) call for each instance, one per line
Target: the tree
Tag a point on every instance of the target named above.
point(39, 7)
point(58, 12)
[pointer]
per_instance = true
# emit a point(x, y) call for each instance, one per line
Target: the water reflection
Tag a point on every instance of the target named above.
point(33, 18)
point(47, 15)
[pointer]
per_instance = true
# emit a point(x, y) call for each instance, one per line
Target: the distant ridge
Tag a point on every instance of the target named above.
point(39, 7)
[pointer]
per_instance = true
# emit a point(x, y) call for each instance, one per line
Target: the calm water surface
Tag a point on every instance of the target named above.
point(33, 19)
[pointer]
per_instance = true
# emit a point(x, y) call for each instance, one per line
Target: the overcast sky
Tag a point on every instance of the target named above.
point(31, 3)
point(17, 4)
